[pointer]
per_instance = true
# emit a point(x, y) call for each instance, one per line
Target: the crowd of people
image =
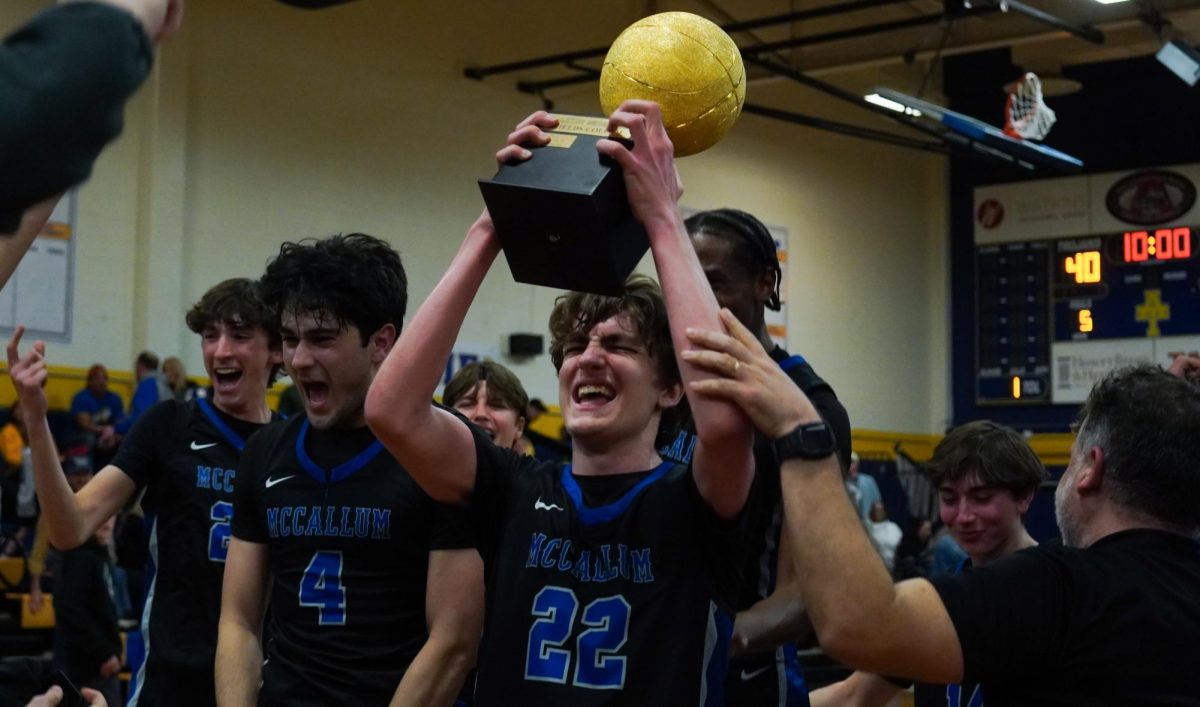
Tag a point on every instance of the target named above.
point(381, 547)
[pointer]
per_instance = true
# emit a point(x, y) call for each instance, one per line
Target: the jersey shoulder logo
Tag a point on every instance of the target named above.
point(271, 482)
point(196, 446)
point(538, 505)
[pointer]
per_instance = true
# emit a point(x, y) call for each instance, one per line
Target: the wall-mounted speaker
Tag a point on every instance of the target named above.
point(525, 344)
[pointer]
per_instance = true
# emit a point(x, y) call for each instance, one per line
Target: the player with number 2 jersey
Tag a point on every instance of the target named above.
point(185, 457)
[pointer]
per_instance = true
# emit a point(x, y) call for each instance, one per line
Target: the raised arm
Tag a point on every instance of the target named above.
point(71, 517)
point(239, 632)
point(861, 618)
point(429, 441)
point(64, 79)
point(13, 245)
point(454, 613)
point(723, 464)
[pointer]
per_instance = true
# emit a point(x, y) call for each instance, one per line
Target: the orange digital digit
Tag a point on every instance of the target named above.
point(1166, 243)
point(1085, 320)
point(1085, 266)
point(1137, 246)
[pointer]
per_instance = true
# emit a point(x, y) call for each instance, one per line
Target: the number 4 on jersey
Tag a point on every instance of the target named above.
point(321, 587)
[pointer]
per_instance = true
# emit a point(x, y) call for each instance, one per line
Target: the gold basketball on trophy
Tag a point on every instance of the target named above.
point(685, 64)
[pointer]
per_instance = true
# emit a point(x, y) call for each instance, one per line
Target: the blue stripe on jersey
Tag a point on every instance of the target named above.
point(603, 514)
point(716, 657)
point(796, 690)
point(340, 471)
point(225, 430)
point(151, 583)
point(792, 361)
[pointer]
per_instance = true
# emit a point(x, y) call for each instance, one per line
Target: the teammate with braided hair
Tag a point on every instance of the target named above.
point(737, 253)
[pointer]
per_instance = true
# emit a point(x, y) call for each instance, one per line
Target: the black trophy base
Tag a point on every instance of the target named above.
point(562, 215)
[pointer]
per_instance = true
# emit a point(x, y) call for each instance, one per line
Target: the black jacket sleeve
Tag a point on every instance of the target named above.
point(64, 80)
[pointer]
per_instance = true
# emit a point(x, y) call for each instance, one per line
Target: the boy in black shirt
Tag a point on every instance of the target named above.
point(373, 591)
point(185, 457)
point(610, 580)
point(1108, 618)
point(737, 253)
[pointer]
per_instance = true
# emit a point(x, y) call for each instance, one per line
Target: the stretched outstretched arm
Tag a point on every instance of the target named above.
point(723, 464)
point(13, 245)
point(861, 618)
point(427, 440)
point(64, 79)
point(71, 517)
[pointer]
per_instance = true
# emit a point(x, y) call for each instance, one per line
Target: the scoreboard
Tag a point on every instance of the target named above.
point(1078, 276)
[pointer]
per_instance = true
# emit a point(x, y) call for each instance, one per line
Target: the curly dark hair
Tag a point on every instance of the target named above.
point(354, 278)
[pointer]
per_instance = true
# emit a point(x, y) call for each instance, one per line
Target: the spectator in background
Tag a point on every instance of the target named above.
point(914, 557)
point(290, 402)
point(77, 467)
point(20, 503)
point(948, 555)
point(492, 397)
point(863, 489)
point(96, 410)
point(151, 388)
point(986, 476)
point(86, 616)
point(885, 534)
point(539, 445)
point(182, 389)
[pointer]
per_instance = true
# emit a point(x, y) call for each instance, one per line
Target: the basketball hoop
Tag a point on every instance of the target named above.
point(1026, 115)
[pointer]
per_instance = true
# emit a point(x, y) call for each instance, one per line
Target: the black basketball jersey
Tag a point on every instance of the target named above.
point(349, 534)
point(610, 590)
point(185, 456)
point(757, 678)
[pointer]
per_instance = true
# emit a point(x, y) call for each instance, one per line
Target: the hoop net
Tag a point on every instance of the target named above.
point(1026, 115)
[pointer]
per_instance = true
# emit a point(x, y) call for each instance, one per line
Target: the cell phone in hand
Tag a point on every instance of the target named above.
point(71, 695)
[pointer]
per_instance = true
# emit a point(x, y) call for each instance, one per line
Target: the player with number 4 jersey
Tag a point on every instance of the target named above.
point(185, 456)
point(374, 589)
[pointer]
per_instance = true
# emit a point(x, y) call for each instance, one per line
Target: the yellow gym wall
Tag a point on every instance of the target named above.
point(264, 123)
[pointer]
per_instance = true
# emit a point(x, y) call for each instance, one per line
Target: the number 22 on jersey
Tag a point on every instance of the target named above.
point(598, 664)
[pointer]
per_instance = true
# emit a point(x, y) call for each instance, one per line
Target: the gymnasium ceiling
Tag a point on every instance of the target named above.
point(904, 58)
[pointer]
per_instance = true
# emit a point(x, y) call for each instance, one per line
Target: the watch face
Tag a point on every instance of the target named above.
point(811, 441)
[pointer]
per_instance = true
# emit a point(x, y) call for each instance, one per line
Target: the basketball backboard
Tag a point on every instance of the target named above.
point(1024, 152)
